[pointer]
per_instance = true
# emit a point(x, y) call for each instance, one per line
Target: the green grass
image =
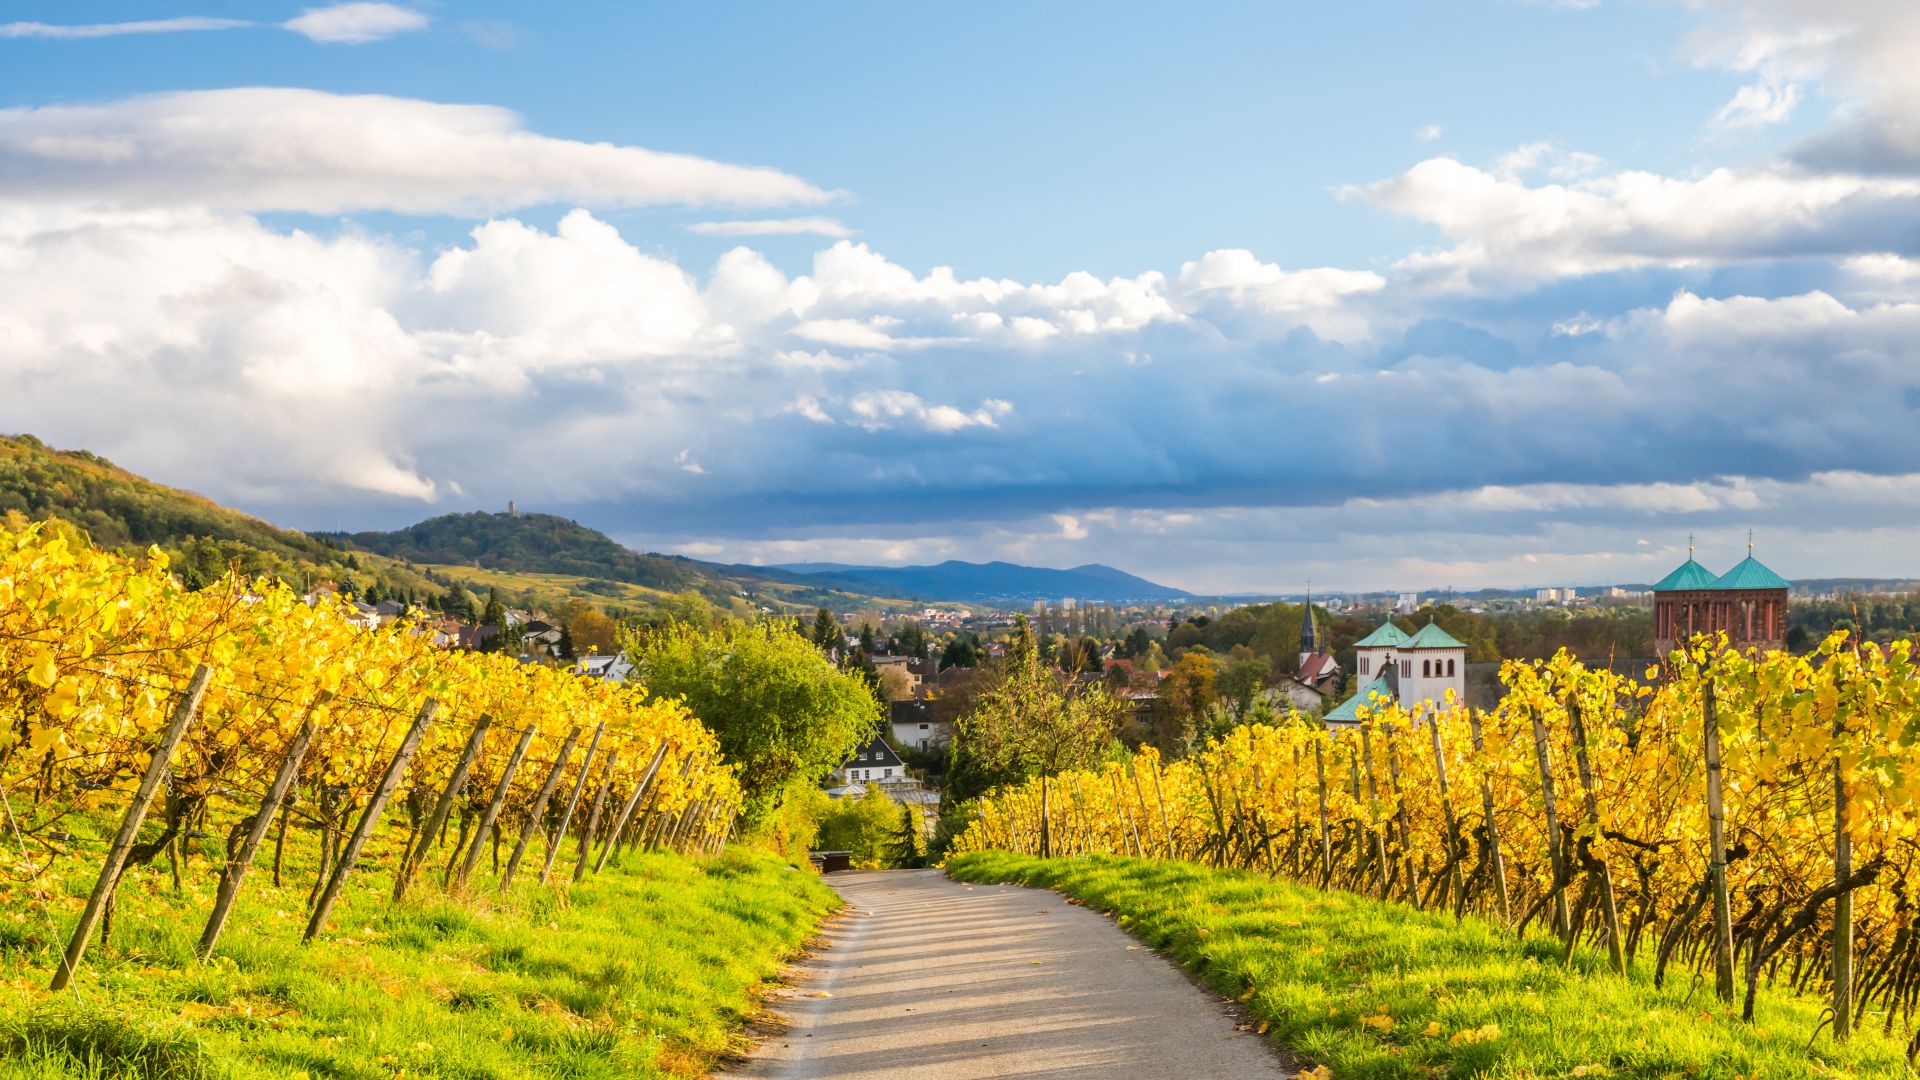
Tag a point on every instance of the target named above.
point(645, 970)
point(1371, 989)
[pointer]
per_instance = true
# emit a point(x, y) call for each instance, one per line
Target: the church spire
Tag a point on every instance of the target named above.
point(1309, 628)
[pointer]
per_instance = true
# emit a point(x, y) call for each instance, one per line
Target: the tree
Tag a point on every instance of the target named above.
point(866, 639)
point(894, 684)
point(1240, 682)
point(1151, 660)
point(907, 852)
point(910, 640)
point(1029, 725)
point(963, 652)
point(826, 630)
point(593, 632)
point(495, 615)
point(783, 713)
point(1186, 694)
point(348, 587)
point(1136, 642)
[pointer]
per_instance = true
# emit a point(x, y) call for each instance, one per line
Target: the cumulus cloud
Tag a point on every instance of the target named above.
point(1507, 232)
point(806, 226)
point(261, 149)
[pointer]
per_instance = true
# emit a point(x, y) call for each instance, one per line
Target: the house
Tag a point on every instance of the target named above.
point(477, 638)
point(914, 726)
point(613, 668)
point(1409, 669)
point(364, 616)
point(874, 761)
point(902, 663)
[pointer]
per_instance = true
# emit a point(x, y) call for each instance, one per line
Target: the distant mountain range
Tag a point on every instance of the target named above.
point(990, 583)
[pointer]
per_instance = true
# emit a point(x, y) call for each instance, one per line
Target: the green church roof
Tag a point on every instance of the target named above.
point(1431, 636)
point(1689, 575)
point(1750, 574)
point(1372, 696)
point(1384, 634)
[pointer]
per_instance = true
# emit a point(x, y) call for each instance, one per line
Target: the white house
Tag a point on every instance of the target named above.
point(874, 762)
point(1410, 670)
point(613, 668)
point(914, 726)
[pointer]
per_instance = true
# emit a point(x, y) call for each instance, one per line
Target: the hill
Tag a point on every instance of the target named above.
point(533, 559)
point(992, 582)
point(531, 543)
point(121, 510)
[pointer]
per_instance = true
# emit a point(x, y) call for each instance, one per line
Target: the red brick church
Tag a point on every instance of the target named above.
point(1749, 602)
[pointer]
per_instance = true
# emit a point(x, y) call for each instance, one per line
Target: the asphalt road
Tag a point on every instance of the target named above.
point(928, 979)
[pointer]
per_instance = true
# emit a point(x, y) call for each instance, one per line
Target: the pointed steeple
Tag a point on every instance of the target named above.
point(1309, 629)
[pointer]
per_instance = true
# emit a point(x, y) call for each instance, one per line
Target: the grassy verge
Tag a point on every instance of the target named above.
point(1379, 990)
point(646, 970)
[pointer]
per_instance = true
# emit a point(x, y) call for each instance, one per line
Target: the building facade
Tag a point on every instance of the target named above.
point(1393, 666)
point(1748, 602)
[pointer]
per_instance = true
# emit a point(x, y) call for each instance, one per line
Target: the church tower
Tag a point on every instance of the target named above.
point(1309, 632)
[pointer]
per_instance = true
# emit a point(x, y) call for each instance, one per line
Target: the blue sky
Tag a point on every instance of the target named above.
point(1390, 296)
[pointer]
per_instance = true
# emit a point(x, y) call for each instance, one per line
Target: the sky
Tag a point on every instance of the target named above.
point(1380, 296)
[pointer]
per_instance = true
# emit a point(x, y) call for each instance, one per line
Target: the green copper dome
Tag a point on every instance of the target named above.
point(1690, 575)
point(1750, 574)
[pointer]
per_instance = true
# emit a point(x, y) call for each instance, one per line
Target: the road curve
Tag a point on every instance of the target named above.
point(928, 979)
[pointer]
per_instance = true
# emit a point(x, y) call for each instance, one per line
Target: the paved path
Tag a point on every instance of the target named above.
point(928, 979)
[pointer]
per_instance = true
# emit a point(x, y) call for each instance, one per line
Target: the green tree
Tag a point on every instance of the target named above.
point(826, 629)
point(963, 651)
point(1028, 724)
point(495, 615)
point(908, 851)
point(1241, 682)
point(782, 712)
point(866, 639)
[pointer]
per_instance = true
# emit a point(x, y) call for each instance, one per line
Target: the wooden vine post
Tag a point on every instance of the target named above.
point(1166, 823)
point(1453, 825)
point(1326, 832)
point(593, 816)
point(1717, 856)
point(410, 866)
point(633, 801)
point(369, 818)
point(1609, 910)
point(236, 869)
point(586, 766)
point(1373, 810)
point(539, 808)
point(1843, 903)
point(1496, 863)
point(493, 810)
point(1562, 919)
point(183, 714)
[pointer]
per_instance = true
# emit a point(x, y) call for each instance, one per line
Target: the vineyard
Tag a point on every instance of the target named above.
point(1743, 820)
point(234, 714)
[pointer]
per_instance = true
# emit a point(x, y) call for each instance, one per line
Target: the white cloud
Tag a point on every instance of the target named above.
point(185, 24)
point(878, 410)
point(1758, 104)
point(257, 149)
point(1508, 233)
point(806, 226)
point(339, 24)
point(356, 23)
point(1427, 132)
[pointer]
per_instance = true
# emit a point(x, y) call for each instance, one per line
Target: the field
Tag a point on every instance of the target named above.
point(1378, 990)
point(646, 970)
